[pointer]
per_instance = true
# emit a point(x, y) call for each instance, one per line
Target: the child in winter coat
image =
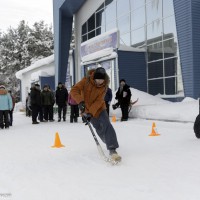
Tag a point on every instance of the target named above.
point(74, 109)
point(6, 105)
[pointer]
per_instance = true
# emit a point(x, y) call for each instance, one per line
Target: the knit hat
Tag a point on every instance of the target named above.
point(122, 80)
point(60, 83)
point(100, 73)
point(2, 87)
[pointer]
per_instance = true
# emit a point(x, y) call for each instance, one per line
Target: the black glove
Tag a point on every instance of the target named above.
point(87, 116)
point(81, 106)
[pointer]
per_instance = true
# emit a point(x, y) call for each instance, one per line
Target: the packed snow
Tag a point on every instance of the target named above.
point(153, 168)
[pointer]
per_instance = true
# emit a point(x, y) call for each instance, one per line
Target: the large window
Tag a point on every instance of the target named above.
point(147, 24)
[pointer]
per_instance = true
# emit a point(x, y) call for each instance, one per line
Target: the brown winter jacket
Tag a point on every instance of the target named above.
point(86, 90)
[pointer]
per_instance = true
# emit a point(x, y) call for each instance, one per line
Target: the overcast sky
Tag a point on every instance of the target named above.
point(13, 11)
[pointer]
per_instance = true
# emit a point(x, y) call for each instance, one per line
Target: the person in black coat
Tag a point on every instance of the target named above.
point(108, 99)
point(61, 101)
point(35, 95)
point(123, 96)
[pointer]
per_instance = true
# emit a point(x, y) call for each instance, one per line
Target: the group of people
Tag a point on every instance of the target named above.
point(7, 104)
point(91, 96)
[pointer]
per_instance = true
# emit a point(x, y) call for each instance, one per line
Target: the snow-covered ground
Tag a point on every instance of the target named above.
point(152, 168)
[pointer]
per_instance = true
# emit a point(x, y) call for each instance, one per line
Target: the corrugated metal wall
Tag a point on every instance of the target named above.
point(187, 15)
point(132, 68)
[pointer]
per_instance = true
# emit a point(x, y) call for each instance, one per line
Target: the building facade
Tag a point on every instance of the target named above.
point(156, 48)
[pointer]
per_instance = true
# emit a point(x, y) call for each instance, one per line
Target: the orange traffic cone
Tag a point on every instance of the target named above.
point(114, 118)
point(154, 131)
point(57, 142)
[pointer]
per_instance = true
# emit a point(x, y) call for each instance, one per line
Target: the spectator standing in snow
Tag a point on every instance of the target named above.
point(61, 101)
point(123, 96)
point(74, 114)
point(89, 94)
point(13, 107)
point(36, 103)
point(6, 105)
point(28, 105)
point(47, 102)
point(108, 99)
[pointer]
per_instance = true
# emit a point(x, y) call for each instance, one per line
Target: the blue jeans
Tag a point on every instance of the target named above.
point(105, 130)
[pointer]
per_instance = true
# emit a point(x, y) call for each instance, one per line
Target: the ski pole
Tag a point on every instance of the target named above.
point(104, 157)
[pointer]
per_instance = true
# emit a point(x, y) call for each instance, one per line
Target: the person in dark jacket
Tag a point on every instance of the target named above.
point(35, 102)
point(123, 96)
point(13, 106)
point(108, 99)
point(61, 101)
point(47, 102)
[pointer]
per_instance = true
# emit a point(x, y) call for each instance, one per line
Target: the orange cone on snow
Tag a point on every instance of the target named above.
point(57, 142)
point(114, 118)
point(154, 131)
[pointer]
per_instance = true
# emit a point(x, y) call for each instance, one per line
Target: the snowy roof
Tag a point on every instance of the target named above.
point(37, 64)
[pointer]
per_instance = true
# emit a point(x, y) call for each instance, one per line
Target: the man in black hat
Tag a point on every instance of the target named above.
point(89, 94)
point(35, 95)
point(61, 101)
point(123, 96)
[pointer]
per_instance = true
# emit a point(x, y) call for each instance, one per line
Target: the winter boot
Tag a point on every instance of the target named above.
point(75, 119)
point(114, 155)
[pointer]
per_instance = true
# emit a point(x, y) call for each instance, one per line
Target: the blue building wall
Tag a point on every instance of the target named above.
point(132, 68)
point(187, 15)
point(63, 11)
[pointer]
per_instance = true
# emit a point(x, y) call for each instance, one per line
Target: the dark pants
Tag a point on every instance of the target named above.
point(4, 121)
point(124, 109)
point(41, 113)
point(105, 130)
point(48, 112)
point(35, 111)
point(11, 117)
point(107, 107)
point(60, 110)
point(74, 113)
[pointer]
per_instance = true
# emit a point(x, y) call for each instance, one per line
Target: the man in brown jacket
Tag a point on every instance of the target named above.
point(89, 94)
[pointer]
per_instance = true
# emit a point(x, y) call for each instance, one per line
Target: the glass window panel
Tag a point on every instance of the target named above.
point(91, 35)
point(111, 25)
point(84, 38)
point(156, 86)
point(155, 69)
point(138, 37)
point(124, 24)
point(107, 2)
point(168, 8)
point(100, 18)
point(100, 30)
point(125, 39)
point(170, 67)
point(84, 28)
point(111, 12)
point(123, 7)
point(138, 18)
point(91, 23)
point(170, 86)
point(154, 11)
point(170, 27)
point(136, 4)
point(155, 51)
point(154, 32)
point(170, 48)
point(101, 7)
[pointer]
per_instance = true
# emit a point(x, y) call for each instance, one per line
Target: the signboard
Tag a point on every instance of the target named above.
point(104, 41)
